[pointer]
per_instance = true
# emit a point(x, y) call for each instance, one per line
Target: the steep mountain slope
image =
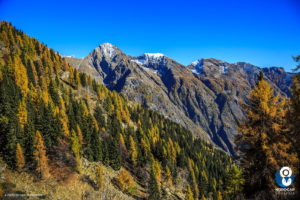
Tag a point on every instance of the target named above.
point(202, 96)
point(117, 71)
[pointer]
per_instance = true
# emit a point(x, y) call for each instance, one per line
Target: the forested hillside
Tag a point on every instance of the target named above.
point(54, 120)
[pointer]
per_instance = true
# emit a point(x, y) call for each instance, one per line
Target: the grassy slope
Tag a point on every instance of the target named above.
point(76, 186)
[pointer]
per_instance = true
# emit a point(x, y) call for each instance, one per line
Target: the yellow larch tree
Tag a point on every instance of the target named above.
point(77, 79)
point(1, 192)
point(71, 75)
point(189, 194)
point(79, 135)
point(20, 75)
point(99, 180)
point(157, 171)
point(145, 147)
point(64, 118)
point(132, 150)
point(34, 96)
point(124, 181)
point(123, 149)
point(40, 156)
point(22, 113)
point(44, 94)
point(20, 160)
point(168, 176)
point(172, 151)
point(219, 195)
point(85, 110)
point(264, 142)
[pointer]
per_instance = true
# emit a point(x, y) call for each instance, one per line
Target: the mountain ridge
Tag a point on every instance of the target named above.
point(202, 96)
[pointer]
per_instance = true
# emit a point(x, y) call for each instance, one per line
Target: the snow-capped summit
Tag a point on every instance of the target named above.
point(153, 56)
point(197, 62)
point(197, 66)
point(107, 49)
point(149, 58)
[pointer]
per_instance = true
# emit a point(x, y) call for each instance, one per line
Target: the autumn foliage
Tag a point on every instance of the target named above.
point(189, 194)
point(264, 143)
point(124, 181)
point(20, 157)
point(40, 156)
point(99, 179)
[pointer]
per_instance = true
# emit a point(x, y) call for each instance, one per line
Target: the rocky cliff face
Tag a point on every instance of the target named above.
point(203, 96)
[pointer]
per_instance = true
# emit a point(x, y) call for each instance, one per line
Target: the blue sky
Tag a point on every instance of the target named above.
point(262, 32)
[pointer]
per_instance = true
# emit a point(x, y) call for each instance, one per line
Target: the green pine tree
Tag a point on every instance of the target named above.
point(154, 193)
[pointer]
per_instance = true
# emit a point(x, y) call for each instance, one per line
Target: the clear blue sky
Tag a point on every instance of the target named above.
point(262, 32)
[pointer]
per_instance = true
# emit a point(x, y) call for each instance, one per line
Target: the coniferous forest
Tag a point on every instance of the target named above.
point(56, 122)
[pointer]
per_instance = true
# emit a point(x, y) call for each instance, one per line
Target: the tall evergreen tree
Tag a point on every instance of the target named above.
point(263, 143)
point(233, 182)
point(29, 134)
point(114, 154)
point(154, 192)
point(47, 124)
point(97, 145)
point(30, 72)
point(54, 92)
point(76, 148)
point(10, 140)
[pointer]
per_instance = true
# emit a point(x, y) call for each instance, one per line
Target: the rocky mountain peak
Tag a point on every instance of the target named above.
point(107, 50)
point(207, 66)
point(247, 67)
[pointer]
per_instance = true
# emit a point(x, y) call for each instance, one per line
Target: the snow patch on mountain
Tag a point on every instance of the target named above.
point(198, 66)
point(64, 56)
point(107, 50)
point(139, 61)
point(223, 68)
point(153, 56)
point(149, 58)
point(197, 62)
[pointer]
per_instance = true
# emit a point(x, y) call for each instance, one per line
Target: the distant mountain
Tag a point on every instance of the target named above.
point(203, 96)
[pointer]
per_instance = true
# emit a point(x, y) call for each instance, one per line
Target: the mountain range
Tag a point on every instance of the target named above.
point(203, 96)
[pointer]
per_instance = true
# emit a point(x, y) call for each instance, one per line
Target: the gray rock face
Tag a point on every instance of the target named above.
point(203, 96)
